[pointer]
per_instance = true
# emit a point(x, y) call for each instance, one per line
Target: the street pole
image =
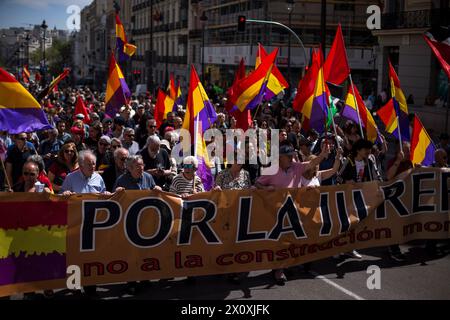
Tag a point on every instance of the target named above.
point(150, 72)
point(289, 56)
point(288, 29)
point(323, 26)
point(167, 53)
point(203, 19)
point(44, 26)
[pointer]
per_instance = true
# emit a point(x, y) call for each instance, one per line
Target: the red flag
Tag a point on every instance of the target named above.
point(307, 85)
point(442, 52)
point(243, 118)
point(336, 68)
point(37, 77)
point(80, 107)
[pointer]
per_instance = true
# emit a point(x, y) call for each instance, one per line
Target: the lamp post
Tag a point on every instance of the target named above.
point(27, 52)
point(44, 27)
point(203, 19)
point(290, 5)
point(323, 25)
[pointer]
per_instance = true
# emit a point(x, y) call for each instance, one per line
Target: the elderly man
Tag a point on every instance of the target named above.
point(157, 162)
point(135, 177)
point(30, 174)
point(84, 180)
point(128, 141)
point(111, 173)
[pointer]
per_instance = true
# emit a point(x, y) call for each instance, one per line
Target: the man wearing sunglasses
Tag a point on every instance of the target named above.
point(30, 175)
point(111, 173)
point(17, 156)
point(128, 141)
point(103, 153)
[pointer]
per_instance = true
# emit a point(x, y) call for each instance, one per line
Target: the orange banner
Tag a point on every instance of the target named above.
point(139, 235)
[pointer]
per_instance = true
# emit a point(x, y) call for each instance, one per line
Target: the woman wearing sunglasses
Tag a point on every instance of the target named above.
point(66, 162)
point(187, 182)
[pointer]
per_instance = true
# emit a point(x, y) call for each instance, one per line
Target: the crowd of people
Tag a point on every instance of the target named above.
point(130, 152)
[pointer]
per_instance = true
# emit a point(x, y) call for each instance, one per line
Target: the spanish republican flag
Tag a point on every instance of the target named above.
point(366, 118)
point(199, 108)
point(125, 49)
point(19, 110)
point(422, 147)
point(26, 74)
point(117, 91)
point(164, 105)
point(276, 83)
point(312, 97)
point(249, 92)
point(53, 84)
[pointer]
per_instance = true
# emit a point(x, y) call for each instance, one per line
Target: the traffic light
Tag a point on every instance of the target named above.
point(241, 23)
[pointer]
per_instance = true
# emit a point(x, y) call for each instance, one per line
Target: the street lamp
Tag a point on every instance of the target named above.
point(44, 27)
point(290, 5)
point(203, 19)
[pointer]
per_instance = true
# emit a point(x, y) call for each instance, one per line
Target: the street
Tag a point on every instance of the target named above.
point(418, 278)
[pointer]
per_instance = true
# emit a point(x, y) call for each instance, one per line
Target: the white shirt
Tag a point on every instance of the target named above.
point(360, 170)
point(314, 182)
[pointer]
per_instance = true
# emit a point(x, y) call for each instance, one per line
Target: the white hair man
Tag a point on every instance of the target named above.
point(84, 180)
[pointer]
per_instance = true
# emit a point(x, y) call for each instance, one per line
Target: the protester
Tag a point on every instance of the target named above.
point(30, 173)
point(17, 156)
point(187, 182)
point(65, 163)
point(128, 142)
point(111, 173)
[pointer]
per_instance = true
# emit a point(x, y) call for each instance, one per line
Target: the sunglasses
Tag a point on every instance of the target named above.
point(69, 151)
point(122, 159)
point(152, 126)
point(130, 135)
point(22, 139)
point(31, 174)
point(114, 146)
point(188, 166)
point(104, 144)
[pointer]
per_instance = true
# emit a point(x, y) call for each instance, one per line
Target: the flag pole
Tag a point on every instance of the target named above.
point(357, 107)
point(6, 175)
point(329, 110)
point(196, 125)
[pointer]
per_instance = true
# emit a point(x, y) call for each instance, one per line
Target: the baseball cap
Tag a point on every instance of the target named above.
point(80, 116)
point(119, 120)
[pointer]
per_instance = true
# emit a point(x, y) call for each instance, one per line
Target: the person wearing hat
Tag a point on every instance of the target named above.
point(78, 138)
point(128, 141)
point(288, 175)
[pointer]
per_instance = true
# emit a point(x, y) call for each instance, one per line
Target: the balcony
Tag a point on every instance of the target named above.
point(416, 19)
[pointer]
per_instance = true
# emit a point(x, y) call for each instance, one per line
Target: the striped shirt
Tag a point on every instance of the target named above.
point(181, 185)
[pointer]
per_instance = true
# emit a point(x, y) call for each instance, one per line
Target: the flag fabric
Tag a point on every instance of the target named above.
point(276, 83)
point(243, 118)
point(396, 107)
point(26, 74)
point(439, 42)
point(350, 112)
point(422, 147)
point(125, 49)
point(164, 104)
point(54, 83)
point(198, 106)
point(117, 91)
point(80, 108)
point(204, 165)
point(336, 68)
point(332, 111)
point(174, 92)
point(312, 97)
point(249, 92)
point(19, 110)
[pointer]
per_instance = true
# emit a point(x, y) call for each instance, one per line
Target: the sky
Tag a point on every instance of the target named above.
point(22, 13)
